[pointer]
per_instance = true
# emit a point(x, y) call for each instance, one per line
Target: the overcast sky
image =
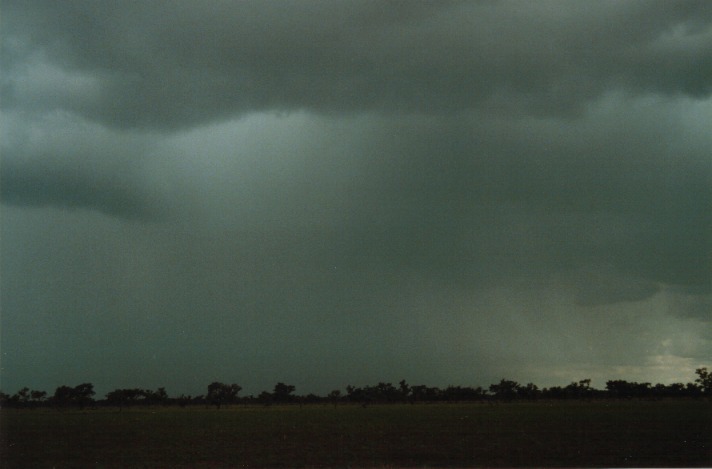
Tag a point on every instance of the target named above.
point(347, 192)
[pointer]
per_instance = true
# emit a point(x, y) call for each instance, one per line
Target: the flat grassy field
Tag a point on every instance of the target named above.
point(627, 434)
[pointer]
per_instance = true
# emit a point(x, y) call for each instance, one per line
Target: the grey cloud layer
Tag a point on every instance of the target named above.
point(436, 188)
point(175, 64)
point(466, 199)
point(475, 200)
point(65, 161)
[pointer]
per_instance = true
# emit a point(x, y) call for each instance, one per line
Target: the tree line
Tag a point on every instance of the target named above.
point(221, 394)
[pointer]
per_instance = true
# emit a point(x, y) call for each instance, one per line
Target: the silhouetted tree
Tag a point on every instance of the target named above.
point(693, 390)
point(529, 392)
point(579, 390)
point(421, 392)
point(460, 393)
point(127, 397)
point(363, 396)
point(220, 394)
point(157, 397)
point(417, 393)
point(265, 398)
point(81, 395)
point(553, 392)
point(352, 393)
point(22, 397)
point(404, 390)
point(334, 396)
point(626, 390)
point(433, 393)
point(386, 392)
point(184, 400)
point(283, 392)
point(63, 396)
point(704, 381)
point(669, 390)
point(38, 397)
point(84, 394)
point(505, 390)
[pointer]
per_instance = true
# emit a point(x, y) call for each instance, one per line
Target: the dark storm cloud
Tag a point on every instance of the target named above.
point(459, 196)
point(59, 160)
point(27, 185)
point(175, 64)
point(335, 192)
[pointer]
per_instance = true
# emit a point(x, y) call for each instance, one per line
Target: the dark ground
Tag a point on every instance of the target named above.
point(606, 433)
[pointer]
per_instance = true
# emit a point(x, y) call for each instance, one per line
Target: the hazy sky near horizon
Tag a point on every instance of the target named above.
point(347, 192)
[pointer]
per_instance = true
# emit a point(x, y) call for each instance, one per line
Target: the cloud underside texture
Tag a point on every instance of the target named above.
point(177, 64)
point(358, 168)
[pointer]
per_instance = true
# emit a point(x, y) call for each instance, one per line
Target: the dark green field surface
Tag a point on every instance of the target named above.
point(674, 433)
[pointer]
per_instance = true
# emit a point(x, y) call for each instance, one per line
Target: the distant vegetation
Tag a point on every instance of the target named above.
point(220, 394)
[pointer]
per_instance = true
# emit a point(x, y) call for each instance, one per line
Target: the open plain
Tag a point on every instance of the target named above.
point(605, 433)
